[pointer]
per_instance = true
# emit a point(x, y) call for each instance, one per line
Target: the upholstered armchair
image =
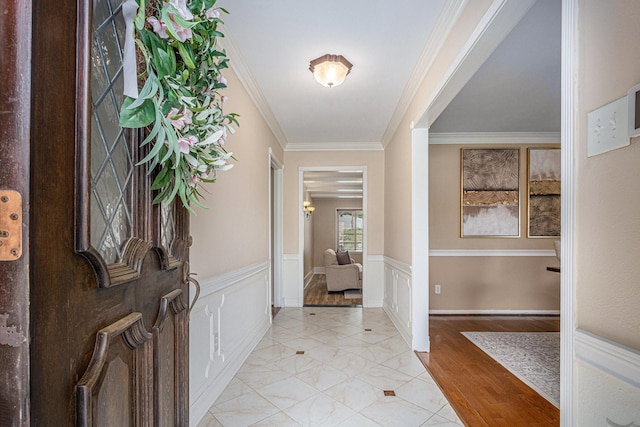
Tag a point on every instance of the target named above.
point(341, 276)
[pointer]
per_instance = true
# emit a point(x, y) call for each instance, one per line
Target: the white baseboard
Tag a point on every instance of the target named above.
point(319, 270)
point(499, 312)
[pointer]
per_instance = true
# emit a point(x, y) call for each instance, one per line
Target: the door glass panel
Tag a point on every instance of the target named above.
point(168, 231)
point(112, 159)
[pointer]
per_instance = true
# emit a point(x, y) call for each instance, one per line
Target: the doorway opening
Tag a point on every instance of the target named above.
point(332, 236)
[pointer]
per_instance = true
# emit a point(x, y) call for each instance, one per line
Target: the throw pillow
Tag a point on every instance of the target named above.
point(343, 258)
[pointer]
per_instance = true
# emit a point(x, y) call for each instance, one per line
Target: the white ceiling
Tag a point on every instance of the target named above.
point(271, 43)
point(333, 184)
point(518, 88)
point(276, 40)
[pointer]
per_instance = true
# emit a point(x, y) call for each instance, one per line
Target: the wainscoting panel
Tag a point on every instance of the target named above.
point(607, 382)
point(397, 296)
point(374, 281)
point(291, 280)
point(226, 324)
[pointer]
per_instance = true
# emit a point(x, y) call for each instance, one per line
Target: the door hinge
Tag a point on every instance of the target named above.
point(10, 225)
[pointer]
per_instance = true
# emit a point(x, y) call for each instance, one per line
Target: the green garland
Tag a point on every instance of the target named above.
point(180, 100)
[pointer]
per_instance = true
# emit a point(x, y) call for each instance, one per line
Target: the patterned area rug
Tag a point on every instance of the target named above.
point(533, 357)
point(353, 293)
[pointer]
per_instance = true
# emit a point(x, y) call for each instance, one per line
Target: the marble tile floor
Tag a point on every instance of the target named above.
point(330, 366)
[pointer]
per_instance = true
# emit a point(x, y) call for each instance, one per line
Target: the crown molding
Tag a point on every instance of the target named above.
point(448, 17)
point(239, 66)
point(334, 146)
point(493, 138)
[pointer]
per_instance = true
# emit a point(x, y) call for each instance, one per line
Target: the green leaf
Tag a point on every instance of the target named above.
point(162, 179)
point(139, 19)
point(186, 53)
point(164, 60)
point(136, 117)
point(149, 89)
point(154, 151)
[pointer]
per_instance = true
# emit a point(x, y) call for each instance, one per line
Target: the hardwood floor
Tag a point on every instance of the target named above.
point(316, 294)
point(480, 390)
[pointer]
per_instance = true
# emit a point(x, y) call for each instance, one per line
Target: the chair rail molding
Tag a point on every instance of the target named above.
point(492, 253)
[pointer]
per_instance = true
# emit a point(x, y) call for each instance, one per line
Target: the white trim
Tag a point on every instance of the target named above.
point(448, 17)
point(494, 138)
point(611, 357)
point(498, 312)
point(240, 67)
point(569, 120)
point(377, 258)
point(275, 161)
point(214, 284)
point(501, 17)
point(334, 146)
point(420, 239)
point(276, 247)
point(398, 265)
point(492, 253)
point(290, 257)
point(319, 270)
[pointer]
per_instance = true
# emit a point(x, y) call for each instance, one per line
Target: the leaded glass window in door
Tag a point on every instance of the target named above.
point(112, 151)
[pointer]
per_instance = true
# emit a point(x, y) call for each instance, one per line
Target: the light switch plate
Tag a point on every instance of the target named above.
point(608, 127)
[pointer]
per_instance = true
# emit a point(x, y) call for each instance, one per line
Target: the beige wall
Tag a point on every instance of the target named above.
point(444, 204)
point(607, 243)
point(234, 231)
point(494, 283)
point(324, 226)
point(398, 152)
point(397, 189)
point(483, 283)
point(373, 160)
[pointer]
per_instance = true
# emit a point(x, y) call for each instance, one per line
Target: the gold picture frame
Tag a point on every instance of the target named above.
point(543, 192)
point(490, 192)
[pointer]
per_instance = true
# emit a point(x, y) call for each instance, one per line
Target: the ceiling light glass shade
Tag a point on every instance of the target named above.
point(330, 70)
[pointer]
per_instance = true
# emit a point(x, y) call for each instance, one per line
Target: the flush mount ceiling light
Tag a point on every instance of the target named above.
point(330, 70)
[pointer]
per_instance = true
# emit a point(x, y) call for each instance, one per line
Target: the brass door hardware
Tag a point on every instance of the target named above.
point(10, 225)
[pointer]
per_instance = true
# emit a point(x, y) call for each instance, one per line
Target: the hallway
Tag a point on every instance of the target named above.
point(351, 356)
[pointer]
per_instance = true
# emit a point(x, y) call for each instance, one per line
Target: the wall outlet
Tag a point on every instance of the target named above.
point(438, 289)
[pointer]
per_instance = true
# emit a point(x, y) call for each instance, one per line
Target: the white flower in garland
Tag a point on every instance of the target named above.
point(180, 101)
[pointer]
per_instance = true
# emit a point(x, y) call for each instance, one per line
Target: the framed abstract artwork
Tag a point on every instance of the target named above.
point(543, 192)
point(490, 193)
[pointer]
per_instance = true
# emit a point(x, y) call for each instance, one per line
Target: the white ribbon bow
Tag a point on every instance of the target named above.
point(130, 74)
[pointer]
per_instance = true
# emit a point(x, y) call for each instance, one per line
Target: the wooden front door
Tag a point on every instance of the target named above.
point(107, 290)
